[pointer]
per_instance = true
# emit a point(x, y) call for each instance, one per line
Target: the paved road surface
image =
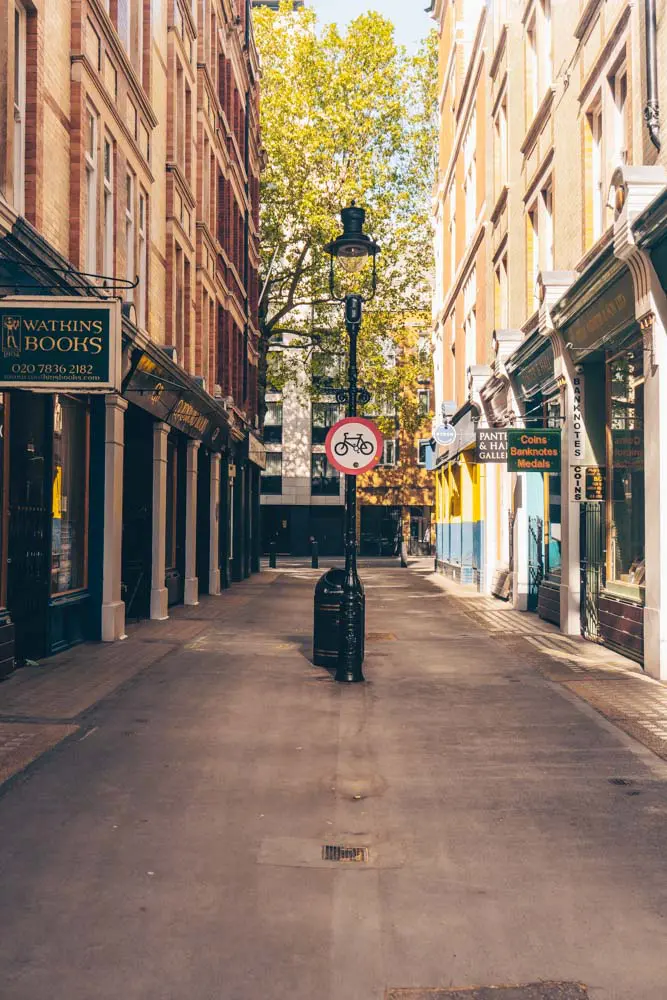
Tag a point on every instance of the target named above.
point(171, 849)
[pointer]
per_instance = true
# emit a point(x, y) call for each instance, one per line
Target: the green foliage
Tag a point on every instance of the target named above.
point(345, 116)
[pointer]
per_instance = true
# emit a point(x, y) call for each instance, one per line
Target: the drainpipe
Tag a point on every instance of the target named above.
point(652, 109)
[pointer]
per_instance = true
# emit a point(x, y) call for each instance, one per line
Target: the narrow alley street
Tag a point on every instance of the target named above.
point(169, 845)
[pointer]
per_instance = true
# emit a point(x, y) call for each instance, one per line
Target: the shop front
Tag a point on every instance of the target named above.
point(59, 358)
point(535, 512)
point(175, 435)
point(460, 482)
point(596, 319)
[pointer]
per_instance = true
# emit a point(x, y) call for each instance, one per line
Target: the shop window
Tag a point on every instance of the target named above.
point(271, 478)
point(4, 465)
point(625, 515)
point(324, 416)
point(20, 77)
point(172, 505)
point(69, 546)
point(273, 423)
point(325, 479)
point(455, 490)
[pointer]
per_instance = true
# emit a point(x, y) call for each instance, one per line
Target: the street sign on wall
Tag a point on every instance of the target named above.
point(55, 343)
point(533, 450)
point(492, 444)
point(353, 445)
point(445, 434)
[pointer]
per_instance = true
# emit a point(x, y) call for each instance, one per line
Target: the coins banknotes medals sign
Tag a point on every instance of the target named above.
point(353, 445)
point(533, 450)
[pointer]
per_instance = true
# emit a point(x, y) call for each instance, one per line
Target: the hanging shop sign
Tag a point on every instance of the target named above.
point(353, 445)
point(536, 371)
point(612, 312)
point(577, 427)
point(492, 445)
point(596, 476)
point(445, 434)
point(60, 343)
point(533, 450)
point(152, 386)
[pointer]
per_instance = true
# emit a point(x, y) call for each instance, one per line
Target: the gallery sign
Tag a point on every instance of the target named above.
point(492, 444)
point(60, 343)
point(533, 450)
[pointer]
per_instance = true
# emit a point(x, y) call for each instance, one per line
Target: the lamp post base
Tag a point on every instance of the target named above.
point(352, 628)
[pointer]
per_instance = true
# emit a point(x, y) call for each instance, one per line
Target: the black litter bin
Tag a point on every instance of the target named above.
point(328, 597)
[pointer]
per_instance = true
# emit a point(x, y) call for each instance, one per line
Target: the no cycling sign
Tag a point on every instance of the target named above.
point(354, 445)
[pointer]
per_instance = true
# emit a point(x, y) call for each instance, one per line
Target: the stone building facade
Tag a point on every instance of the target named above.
point(575, 233)
point(129, 177)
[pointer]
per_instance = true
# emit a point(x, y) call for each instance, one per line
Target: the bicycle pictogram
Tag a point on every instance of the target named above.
point(357, 443)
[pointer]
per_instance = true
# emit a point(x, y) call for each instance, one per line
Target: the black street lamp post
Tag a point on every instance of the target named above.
point(352, 249)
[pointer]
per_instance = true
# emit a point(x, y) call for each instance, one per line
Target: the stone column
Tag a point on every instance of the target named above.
point(214, 526)
point(159, 599)
point(191, 581)
point(635, 189)
point(113, 608)
point(520, 581)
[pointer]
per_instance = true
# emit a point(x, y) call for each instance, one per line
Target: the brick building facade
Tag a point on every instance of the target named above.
point(129, 174)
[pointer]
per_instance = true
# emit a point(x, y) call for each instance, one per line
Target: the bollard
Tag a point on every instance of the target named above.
point(272, 555)
point(314, 555)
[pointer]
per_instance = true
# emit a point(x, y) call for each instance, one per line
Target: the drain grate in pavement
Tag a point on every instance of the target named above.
point(530, 991)
point(334, 852)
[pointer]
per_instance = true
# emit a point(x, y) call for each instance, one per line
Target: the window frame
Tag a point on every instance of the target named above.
point(142, 235)
point(108, 199)
point(130, 232)
point(335, 478)
point(422, 443)
point(387, 462)
point(19, 100)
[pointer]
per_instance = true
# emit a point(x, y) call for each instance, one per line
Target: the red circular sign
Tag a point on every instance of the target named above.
point(354, 445)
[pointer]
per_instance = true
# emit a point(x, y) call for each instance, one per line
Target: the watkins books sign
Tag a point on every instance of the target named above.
point(62, 343)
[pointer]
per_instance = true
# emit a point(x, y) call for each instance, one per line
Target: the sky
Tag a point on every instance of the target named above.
point(411, 22)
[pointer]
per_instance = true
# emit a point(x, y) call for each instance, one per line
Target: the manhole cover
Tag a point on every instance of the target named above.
point(334, 852)
point(530, 991)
